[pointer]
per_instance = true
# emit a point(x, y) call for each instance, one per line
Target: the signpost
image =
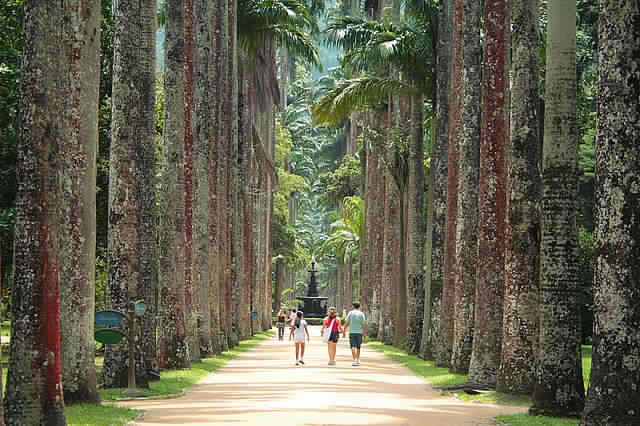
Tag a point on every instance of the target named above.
point(111, 333)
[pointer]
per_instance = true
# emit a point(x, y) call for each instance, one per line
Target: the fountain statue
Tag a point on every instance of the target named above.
point(313, 304)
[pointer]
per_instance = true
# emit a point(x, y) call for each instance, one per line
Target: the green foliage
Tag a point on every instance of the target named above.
point(104, 126)
point(288, 298)
point(345, 181)
point(101, 284)
point(283, 145)
point(356, 94)
point(346, 234)
point(284, 21)
point(290, 183)
point(11, 39)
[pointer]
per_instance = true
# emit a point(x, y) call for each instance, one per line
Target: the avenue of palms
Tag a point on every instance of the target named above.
point(468, 172)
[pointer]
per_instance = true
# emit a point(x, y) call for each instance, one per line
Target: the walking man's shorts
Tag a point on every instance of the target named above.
point(355, 340)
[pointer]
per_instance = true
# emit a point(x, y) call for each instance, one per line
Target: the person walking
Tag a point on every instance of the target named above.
point(292, 318)
point(282, 318)
point(331, 325)
point(355, 322)
point(299, 329)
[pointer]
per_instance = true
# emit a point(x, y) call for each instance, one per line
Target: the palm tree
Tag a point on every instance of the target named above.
point(34, 380)
point(436, 212)
point(520, 330)
point(78, 210)
point(131, 175)
point(174, 352)
point(346, 234)
point(376, 46)
point(559, 389)
point(443, 350)
point(489, 283)
point(612, 397)
point(468, 150)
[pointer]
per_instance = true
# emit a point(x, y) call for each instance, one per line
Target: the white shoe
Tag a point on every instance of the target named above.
point(357, 362)
point(297, 362)
point(354, 363)
point(332, 362)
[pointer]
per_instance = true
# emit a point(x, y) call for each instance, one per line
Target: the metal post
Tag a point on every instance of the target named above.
point(131, 382)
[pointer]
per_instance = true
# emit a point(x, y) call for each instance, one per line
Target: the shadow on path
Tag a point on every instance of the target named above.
point(264, 387)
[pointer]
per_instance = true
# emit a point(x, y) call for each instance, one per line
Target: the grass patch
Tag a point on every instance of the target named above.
point(174, 382)
point(586, 364)
point(496, 398)
point(435, 375)
point(441, 377)
point(527, 420)
point(99, 415)
point(171, 382)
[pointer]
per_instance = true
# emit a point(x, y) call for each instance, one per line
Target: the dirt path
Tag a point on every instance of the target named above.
point(264, 387)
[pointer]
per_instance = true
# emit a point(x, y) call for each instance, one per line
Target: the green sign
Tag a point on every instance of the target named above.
point(109, 336)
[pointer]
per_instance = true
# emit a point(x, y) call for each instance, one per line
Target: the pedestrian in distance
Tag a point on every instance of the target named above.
point(331, 325)
point(299, 331)
point(355, 322)
point(282, 318)
point(292, 318)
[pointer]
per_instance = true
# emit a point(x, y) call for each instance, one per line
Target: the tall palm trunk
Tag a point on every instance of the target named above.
point(444, 349)
point(34, 378)
point(230, 143)
point(522, 244)
point(203, 114)
point(174, 351)
point(78, 203)
point(467, 204)
point(559, 389)
point(241, 217)
point(415, 227)
point(487, 338)
point(437, 199)
point(222, 263)
point(131, 194)
point(194, 263)
point(613, 397)
point(392, 206)
point(374, 219)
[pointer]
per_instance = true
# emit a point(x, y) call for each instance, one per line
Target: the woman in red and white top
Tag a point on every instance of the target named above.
point(332, 325)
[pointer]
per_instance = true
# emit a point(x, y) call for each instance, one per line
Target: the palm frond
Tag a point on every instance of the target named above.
point(351, 32)
point(355, 94)
point(293, 38)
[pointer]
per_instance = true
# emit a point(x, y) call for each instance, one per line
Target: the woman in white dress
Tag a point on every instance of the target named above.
point(299, 329)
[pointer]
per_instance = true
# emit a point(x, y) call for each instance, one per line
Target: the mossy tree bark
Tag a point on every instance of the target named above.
point(34, 380)
point(203, 137)
point(522, 234)
point(468, 179)
point(131, 182)
point(613, 396)
point(437, 189)
point(78, 200)
point(443, 351)
point(174, 352)
point(487, 337)
point(415, 227)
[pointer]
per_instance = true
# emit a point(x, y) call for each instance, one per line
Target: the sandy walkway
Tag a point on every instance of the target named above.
point(264, 387)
